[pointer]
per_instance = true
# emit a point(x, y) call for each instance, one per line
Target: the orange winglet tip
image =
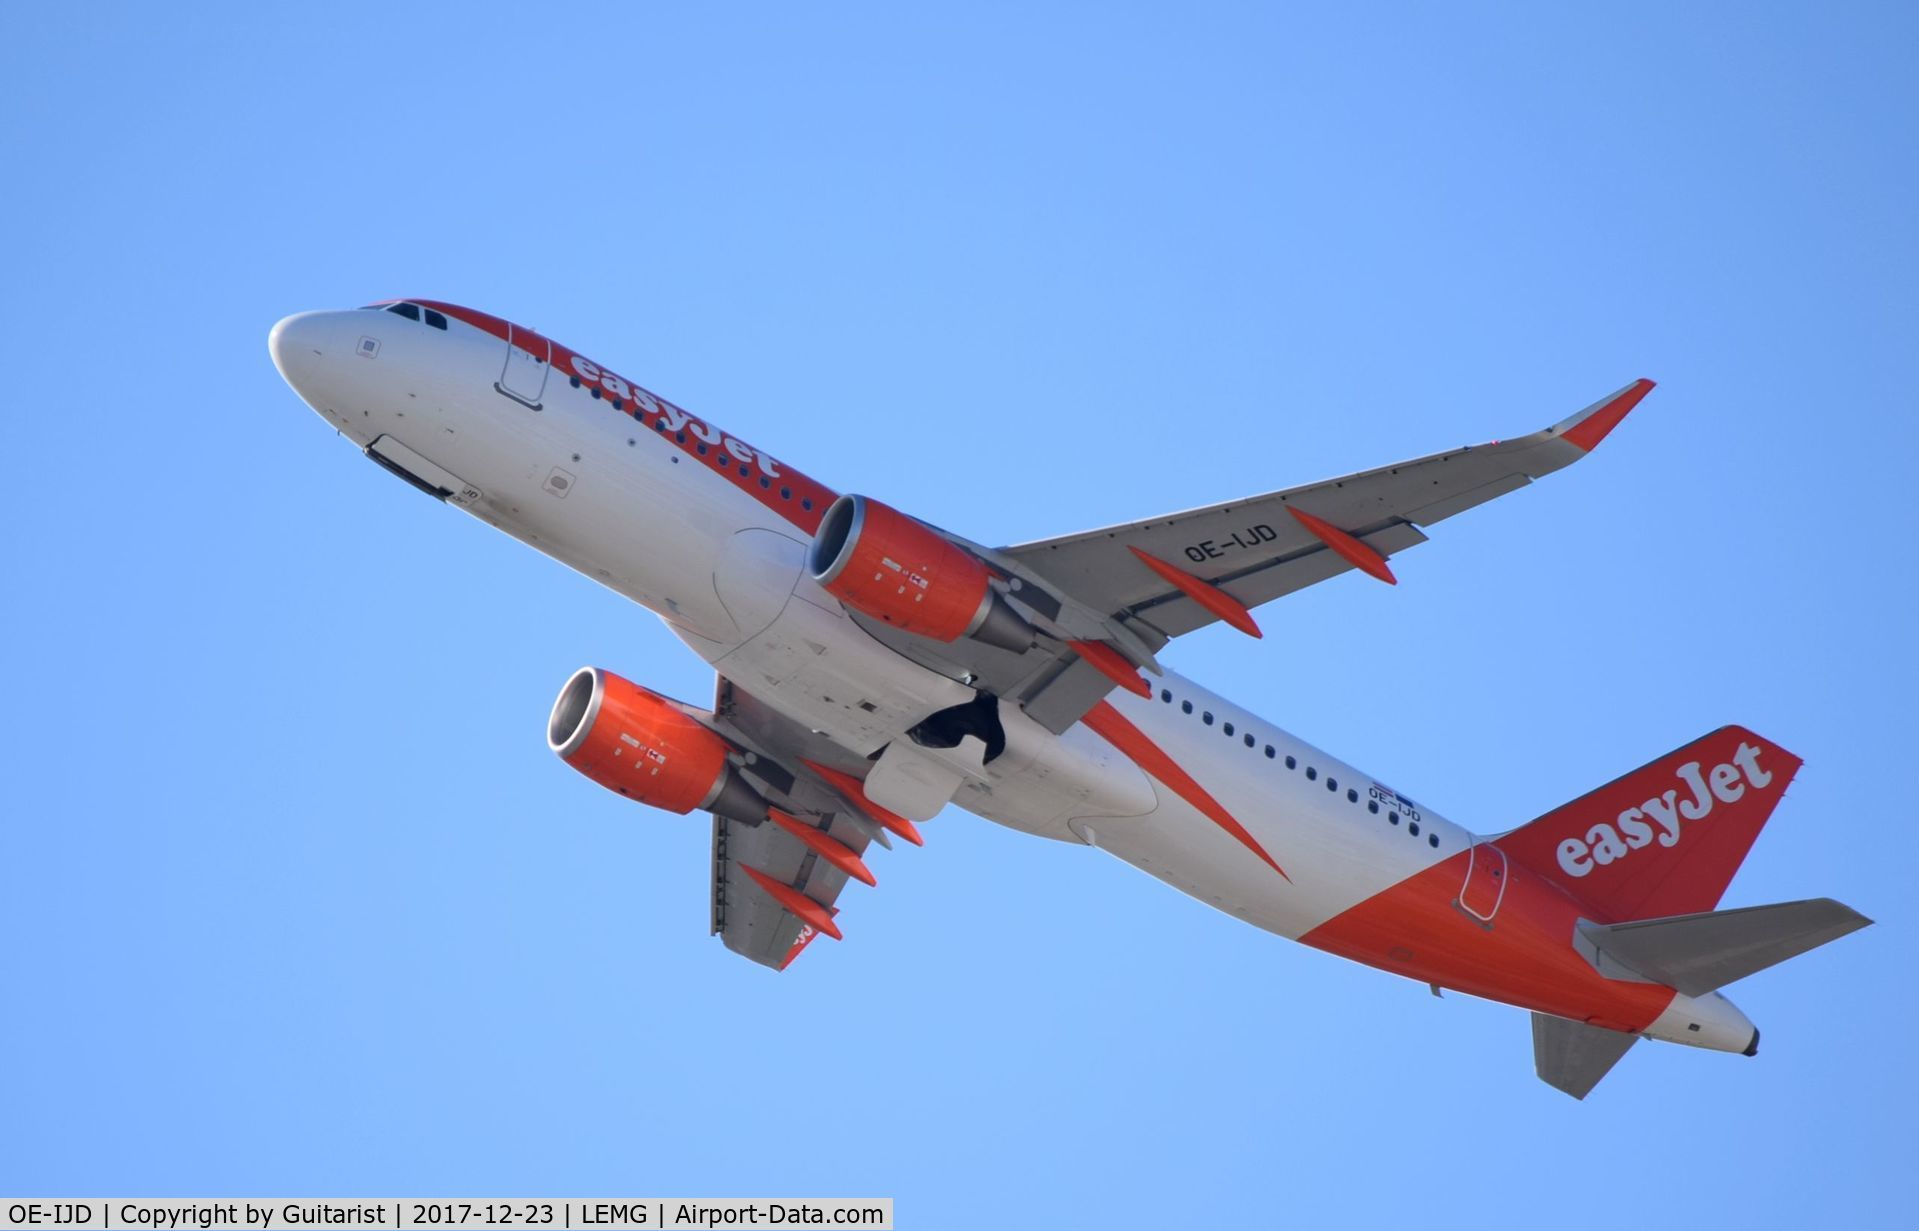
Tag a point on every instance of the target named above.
point(1111, 664)
point(828, 848)
point(1589, 431)
point(849, 786)
point(1205, 593)
point(1358, 554)
point(811, 913)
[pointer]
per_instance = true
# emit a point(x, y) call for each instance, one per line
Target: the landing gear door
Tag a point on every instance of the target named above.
point(1485, 886)
point(528, 356)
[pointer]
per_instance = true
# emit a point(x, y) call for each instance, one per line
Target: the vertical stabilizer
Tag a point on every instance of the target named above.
point(1666, 838)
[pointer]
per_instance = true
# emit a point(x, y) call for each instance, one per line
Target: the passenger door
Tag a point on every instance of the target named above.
point(528, 356)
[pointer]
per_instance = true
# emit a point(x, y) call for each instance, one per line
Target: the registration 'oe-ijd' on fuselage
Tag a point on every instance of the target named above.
point(873, 668)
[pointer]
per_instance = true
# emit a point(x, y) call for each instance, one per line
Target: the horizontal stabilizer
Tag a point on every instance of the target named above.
point(1572, 1056)
point(1696, 954)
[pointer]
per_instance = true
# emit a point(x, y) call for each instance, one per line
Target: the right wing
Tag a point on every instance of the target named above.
point(1160, 578)
point(1260, 548)
point(1120, 593)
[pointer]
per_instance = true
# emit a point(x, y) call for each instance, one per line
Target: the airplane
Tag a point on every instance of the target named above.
point(872, 668)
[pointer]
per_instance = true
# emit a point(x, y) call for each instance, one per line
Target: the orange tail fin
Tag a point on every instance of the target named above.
point(1666, 838)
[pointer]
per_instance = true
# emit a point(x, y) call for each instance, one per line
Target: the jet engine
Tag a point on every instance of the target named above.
point(886, 565)
point(638, 743)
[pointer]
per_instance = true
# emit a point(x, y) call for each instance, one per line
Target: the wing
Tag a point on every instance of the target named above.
point(776, 884)
point(1169, 575)
point(1260, 548)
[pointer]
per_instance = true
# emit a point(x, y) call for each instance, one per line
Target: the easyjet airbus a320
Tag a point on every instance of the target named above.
point(873, 668)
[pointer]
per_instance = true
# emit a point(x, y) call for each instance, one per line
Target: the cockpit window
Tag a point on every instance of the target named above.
point(411, 311)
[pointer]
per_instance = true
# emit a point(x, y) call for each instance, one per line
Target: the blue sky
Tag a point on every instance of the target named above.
point(296, 901)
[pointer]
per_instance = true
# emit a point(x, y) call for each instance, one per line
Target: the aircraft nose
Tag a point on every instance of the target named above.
point(297, 344)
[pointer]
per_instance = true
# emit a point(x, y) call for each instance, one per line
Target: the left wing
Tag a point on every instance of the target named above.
point(775, 884)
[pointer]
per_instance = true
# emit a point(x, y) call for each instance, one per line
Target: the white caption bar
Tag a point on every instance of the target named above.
point(446, 1214)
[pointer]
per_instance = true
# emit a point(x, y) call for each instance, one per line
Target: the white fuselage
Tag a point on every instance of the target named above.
point(641, 515)
point(711, 534)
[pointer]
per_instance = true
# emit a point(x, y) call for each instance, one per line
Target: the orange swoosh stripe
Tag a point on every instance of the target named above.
point(1150, 757)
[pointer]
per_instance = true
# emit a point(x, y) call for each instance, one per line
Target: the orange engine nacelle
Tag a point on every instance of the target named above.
point(637, 743)
point(884, 564)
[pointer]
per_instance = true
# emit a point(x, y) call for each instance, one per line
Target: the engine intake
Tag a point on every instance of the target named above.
point(886, 565)
point(637, 743)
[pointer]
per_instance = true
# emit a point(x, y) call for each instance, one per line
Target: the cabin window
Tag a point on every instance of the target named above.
point(1311, 773)
point(1250, 741)
point(1207, 718)
point(1185, 707)
point(1292, 763)
point(1228, 728)
point(1270, 754)
point(1352, 797)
